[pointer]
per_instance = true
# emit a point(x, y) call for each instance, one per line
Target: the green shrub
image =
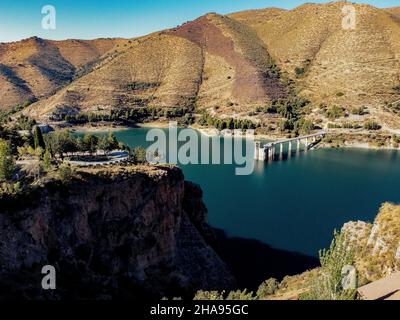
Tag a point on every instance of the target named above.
point(139, 155)
point(47, 161)
point(267, 288)
point(372, 125)
point(240, 295)
point(65, 172)
point(8, 189)
point(327, 284)
point(359, 111)
point(397, 89)
point(300, 72)
point(208, 295)
point(335, 112)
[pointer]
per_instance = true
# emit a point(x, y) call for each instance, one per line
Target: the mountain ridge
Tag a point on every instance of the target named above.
point(229, 66)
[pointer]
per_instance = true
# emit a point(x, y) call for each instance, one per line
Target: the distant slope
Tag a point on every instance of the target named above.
point(346, 67)
point(212, 61)
point(238, 70)
point(34, 68)
point(228, 65)
point(158, 70)
point(254, 18)
point(394, 11)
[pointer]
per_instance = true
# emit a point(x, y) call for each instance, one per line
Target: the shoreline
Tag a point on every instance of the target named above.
point(104, 127)
point(212, 132)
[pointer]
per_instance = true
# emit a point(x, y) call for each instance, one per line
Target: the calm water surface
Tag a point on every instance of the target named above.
point(297, 203)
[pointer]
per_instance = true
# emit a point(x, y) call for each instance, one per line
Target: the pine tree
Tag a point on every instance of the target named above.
point(112, 141)
point(7, 164)
point(47, 161)
point(38, 138)
point(103, 144)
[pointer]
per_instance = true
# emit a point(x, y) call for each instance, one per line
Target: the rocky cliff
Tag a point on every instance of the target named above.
point(377, 244)
point(125, 232)
point(376, 247)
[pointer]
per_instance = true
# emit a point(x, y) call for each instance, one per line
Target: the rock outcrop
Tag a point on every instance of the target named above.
point(122, 233)
point(377, 244)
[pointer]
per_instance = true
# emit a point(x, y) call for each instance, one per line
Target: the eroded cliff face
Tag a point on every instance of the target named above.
point(126, 232)
point(377, 244)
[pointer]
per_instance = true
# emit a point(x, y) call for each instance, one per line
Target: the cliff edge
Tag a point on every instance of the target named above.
point(116, 233)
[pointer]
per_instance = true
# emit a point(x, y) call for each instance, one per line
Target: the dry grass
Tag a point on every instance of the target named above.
point(362, 64)
point(171, 67)
point(34, 68)
point(220, 63)
point(373, 262)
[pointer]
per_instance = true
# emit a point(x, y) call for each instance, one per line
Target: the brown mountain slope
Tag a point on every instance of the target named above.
point(212, 61)
point(250, 75)
point(34, 68)
point(146, 73)
point(395, 11)
point(337, 66)
point(254, 18)
point(225, 64)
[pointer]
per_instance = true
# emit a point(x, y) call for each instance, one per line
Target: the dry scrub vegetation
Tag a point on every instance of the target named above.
point(232, 66)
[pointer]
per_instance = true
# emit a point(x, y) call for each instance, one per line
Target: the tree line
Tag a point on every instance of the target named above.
point(229, 123)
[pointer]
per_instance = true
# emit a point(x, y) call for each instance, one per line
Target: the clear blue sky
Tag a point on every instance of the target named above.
point(88, 19)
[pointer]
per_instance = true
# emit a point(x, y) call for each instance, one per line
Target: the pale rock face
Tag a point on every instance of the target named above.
point(356, 229)
point(373, 234)
point(379, 247)
point(397, 256)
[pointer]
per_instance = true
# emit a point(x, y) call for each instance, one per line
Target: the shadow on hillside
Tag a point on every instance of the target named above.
point(252, 261)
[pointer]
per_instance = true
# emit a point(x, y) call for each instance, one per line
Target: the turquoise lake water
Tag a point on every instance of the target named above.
point(297, 203)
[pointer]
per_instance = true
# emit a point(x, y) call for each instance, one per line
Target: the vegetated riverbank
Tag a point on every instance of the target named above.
point(364, 140)
point(107, 126)
point(334, 139)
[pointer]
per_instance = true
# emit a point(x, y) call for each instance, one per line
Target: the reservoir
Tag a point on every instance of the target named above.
point(294, 204)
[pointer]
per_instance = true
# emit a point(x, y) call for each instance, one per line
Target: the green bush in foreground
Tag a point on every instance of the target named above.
point(139, 155)
point(327, 285)
point(267, 288)
point(65, 172)
point(208, 295)
point(47, 161)
point(241, 295)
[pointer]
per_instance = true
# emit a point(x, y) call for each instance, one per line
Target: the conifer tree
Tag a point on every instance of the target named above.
point(7, 164)
point(38, 138)
point(47, 161)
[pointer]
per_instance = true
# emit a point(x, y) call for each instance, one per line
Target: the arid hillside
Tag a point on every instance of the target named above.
point(394, 11)
point(232, 66)
point(34, 68)
point(257, 17)
point(332, 65)
point(213, 61)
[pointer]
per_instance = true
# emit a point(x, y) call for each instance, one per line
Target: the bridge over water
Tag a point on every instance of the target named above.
point(267, 151)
